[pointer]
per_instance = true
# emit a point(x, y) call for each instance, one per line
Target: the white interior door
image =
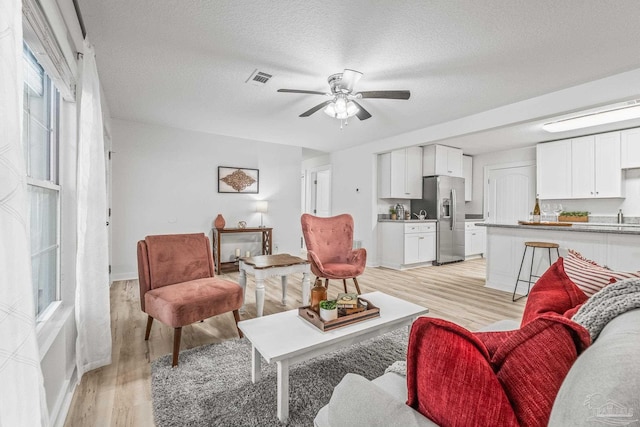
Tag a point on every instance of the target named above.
point(511, 193)
point(316, 194)
point(321, 185)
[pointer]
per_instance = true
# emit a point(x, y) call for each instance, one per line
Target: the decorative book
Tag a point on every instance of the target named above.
point(347, 300)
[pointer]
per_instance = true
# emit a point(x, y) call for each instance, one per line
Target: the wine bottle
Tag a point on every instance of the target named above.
point(536, 211)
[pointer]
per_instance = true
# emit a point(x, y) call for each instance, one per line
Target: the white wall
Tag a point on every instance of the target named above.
point(165, 181)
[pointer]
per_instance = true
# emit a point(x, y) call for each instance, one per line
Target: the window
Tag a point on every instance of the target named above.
point(40, 143)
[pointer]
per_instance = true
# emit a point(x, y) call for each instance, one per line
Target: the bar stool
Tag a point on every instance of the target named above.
point(532, 245)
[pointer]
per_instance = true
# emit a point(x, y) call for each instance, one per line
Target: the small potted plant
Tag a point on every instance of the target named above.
point(394, 214)
point(328, 310)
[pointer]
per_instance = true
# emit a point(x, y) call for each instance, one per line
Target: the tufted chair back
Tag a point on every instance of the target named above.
point(330, 248)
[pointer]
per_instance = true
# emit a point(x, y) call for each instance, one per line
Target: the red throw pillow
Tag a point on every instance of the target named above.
point(589, 276)
point(449, 377)
point(534, 360)
point(553, 292)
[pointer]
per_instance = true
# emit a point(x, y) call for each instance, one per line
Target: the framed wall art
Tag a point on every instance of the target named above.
point(238, 180)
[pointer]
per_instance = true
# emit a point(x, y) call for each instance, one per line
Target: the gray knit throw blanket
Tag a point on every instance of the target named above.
point(609, 302)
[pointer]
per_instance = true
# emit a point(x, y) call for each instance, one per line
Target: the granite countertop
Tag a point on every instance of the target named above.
point(576, 227)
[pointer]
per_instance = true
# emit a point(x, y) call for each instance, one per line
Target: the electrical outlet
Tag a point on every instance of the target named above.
point(275, 249)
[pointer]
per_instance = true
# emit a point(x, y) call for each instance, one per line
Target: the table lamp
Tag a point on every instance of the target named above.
point(262, 207)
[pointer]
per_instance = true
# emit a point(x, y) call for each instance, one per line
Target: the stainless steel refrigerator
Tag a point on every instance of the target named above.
point(443, 199)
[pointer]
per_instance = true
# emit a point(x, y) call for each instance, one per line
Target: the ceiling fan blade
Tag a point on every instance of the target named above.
point(349, 79)
point(387, 94)
point(310, 92)
point(316, 108)
point(362, 114)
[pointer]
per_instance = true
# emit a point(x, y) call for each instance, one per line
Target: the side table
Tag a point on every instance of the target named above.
point(263, 266)
point(224, 267)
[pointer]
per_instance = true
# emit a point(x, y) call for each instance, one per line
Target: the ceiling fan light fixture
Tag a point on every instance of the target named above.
point(341, 109)
point(352, 109)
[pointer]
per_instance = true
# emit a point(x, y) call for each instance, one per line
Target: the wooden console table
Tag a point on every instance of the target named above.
point(225, 267)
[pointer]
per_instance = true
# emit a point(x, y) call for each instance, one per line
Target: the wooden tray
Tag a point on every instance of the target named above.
point(314, 318)
point(547, 223)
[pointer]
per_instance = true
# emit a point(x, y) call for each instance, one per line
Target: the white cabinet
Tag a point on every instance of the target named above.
point(400, 174)
point(553, 169)
point(475, 238)
point(596, 168)
point(404, 245)
point(580, 168)
point(630, 148)
point(441, 160)
point(467, 172)
point(419, 243)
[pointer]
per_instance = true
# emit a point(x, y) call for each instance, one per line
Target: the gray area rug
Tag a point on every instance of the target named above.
point(212, 384)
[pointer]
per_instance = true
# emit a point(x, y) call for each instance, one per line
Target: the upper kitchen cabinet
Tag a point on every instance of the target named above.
point(630, 148)
point(400, 174)
point(580, 168)
point(596, 168)
point(441, 160)
point(467, 172)
point(553, 170)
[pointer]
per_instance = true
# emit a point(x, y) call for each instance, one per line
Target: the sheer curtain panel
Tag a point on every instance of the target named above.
point(93, 319)
point(22, 399)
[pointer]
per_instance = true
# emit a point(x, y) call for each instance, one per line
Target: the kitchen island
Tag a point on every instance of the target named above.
point(613, 245)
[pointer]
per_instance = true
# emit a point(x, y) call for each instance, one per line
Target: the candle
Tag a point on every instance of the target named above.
point(247, 254)
point(237, 253)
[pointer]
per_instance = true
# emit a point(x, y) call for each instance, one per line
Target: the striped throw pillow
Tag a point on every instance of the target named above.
point(589, 276)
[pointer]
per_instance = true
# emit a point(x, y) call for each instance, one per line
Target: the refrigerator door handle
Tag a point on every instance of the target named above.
point(453, 208)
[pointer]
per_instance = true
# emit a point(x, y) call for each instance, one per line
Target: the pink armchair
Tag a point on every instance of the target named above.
point(330, 248)
point(177, 284)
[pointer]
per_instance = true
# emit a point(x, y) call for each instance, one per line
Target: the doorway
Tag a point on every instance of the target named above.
point(510, 192)
point(316, 193)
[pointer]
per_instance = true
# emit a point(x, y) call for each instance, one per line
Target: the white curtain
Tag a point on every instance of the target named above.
point(22, 398)
point(92, 307)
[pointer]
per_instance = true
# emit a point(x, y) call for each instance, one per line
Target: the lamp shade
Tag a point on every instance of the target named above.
point(262, 206)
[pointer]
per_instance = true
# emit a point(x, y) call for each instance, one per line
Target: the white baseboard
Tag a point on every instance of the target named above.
point(58, 418)
point(124, 276)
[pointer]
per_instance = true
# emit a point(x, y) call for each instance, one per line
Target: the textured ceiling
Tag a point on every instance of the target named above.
point(184, 63)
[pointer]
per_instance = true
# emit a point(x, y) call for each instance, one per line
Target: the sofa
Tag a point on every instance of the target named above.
point(601, 384)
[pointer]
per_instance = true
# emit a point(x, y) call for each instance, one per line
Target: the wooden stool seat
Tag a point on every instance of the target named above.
point(533, 246)
point(542, 245)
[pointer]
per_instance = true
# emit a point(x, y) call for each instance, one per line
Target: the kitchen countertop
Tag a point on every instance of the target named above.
point(407, 221)
point(576, 227)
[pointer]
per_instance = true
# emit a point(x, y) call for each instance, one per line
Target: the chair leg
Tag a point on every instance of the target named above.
point(236, 316)
point(355, 281)
point(149, 322)
point(513, 298)
point(344, 284)
point(177, 332)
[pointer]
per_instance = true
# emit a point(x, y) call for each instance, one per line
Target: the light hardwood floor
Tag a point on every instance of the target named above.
point(120, 394)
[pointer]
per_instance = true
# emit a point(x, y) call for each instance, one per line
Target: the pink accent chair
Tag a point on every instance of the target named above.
point(177, 283)
point(330, 248)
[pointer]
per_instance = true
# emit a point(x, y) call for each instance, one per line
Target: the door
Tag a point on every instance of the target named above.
point(321, 200)
point(316, 191)
point(511, 193)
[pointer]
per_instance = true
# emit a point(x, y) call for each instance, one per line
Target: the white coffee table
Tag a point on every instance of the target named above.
point(285, 338)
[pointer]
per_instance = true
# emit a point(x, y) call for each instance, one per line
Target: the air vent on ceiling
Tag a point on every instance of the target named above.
point(258, 78)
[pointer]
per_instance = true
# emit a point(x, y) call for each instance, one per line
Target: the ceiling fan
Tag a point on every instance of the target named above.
point(343, 104)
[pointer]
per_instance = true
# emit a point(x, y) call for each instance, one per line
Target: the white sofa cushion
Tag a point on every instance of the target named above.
point(605, 380)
